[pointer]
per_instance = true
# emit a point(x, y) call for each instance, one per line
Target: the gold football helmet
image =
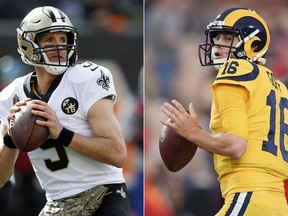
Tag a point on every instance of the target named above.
point(248, 26)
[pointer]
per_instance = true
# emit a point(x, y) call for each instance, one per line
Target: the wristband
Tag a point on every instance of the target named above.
point(65, 137)
point(7, 140)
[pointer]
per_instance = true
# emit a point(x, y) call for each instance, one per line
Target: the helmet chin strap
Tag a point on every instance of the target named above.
point(262, 61)
point(55, 70)
point(219, 62)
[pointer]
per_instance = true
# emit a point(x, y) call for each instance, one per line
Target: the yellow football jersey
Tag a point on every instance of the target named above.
point(264, 165)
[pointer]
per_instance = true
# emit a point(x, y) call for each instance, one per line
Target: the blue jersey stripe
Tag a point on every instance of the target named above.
point(246, 77)
point(232, 204)
point(245, 204)
point(239, 204)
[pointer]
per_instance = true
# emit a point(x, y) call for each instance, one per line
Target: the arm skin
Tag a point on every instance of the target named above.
point(107, 144)
point(186, 125)
point(7, 158)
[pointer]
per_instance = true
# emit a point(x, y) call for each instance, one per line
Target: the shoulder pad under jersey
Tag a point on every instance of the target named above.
point(236, 70)
point(88, 70)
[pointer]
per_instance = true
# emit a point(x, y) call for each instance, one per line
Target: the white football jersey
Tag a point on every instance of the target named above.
point(62, 171)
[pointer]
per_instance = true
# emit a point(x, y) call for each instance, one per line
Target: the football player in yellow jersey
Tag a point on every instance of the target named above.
point(249, 117)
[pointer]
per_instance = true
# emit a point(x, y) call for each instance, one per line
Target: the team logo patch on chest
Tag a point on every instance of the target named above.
point(69, 105)
point(104, 81)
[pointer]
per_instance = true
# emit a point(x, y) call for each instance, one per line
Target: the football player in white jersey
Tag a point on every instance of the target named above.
point(80, 164)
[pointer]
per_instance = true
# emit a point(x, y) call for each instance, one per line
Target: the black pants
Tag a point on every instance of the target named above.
point(116, 202)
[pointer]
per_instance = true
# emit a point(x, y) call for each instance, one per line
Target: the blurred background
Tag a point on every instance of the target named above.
point(110, 34)
point(173, 31)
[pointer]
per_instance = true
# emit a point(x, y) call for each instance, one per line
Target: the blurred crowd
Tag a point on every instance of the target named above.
point(173, 31)
point(107, 16)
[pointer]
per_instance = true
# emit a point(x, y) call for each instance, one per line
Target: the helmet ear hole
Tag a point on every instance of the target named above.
point(24, 48)
point(255, 47)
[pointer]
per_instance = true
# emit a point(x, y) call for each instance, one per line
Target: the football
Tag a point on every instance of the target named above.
point(176, 151)
point(25, 133)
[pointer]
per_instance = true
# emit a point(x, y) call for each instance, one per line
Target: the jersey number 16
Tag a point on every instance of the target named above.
point(270, 145)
